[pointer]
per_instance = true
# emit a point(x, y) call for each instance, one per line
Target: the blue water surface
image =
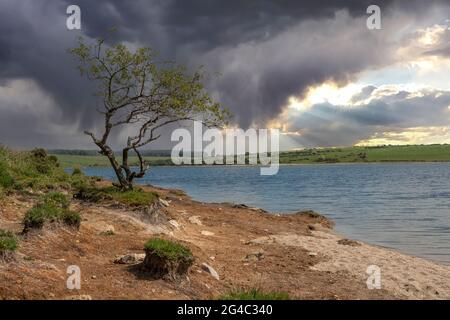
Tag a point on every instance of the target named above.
point(405, 206)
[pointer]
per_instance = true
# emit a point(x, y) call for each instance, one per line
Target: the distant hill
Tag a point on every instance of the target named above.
point(386, 153)
point(356, 154)
point(81, 152)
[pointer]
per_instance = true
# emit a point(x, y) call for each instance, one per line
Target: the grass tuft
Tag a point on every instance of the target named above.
point(40, 213)
point(6, 181)
point(107, 233)
point(134, 198)
point(52, 207)
point(56, 199)
point(71, 218)
point(8, 242)
point(76, 171)
point(254, 294)
point(168, 249)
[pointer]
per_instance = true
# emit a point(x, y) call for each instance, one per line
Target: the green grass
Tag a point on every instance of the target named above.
point(79, 161)
point(107, 233)
point(6, 180)
point(33, 170)
point(76, 171)
point(254, 294)
point(70, 218)
point(168, 249)
point(8, 242)
point(407, 153)
point(133, 198)
point(52, 207)
point(56, 199)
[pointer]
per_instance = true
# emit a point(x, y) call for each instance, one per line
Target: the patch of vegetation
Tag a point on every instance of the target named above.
point(8, 242)
point(385, 153)
point(254, 294)
point(36, 216)
point(134, 198)
point(53, 207)
point(34, 170)
point(56, 199)
point(168, 249)
point(177, 192)
point(70, 218)
point(107, 233)
point(6, 180)
point(83, 161)
point(76, 171)
point(311, 214)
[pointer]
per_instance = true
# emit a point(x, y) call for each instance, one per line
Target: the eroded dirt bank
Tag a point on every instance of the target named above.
point(298, 254)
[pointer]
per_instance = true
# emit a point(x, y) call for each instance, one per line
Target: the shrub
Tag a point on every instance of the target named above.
point(71, 218)
point(42, 167)
point(56, 199)
point(52, 208)
point(36, 216)
point(6, 179)
point(254, 294)
point(167, 249)
point(76, 171)
point(41, 161)
point(79, 182)
point(8, 242)
point(39, 153)
point(53, 159)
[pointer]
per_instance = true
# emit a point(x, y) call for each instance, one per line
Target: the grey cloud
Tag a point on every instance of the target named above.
point(364, 94)
point(330, 125)
point(442, 48)
point(265, 50)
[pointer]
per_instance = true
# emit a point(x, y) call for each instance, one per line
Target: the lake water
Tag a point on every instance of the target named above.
point(403, 206)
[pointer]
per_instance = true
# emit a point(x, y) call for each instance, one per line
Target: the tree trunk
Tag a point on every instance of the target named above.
point(124, 182)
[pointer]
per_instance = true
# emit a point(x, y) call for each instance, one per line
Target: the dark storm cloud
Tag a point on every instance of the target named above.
point(209, 23)
point(215, 34)
point(266, 51)
point(34, 41)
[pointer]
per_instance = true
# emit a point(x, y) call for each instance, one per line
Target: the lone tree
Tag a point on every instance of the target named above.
point(138, 91)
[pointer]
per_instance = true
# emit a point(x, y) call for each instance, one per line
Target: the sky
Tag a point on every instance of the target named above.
point(310, 68)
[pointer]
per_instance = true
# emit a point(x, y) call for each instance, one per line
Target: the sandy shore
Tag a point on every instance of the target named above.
point(403, 275)
point(247, 247)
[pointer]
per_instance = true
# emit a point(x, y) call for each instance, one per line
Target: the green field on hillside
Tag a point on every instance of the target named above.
point(408, 153)
point(74, 161)
point(414, 153)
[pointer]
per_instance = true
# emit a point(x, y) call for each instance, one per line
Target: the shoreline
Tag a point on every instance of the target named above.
point(248, 247)
point(282, 164)
point(333, 246)
point(341, 233)
point(281, 213)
